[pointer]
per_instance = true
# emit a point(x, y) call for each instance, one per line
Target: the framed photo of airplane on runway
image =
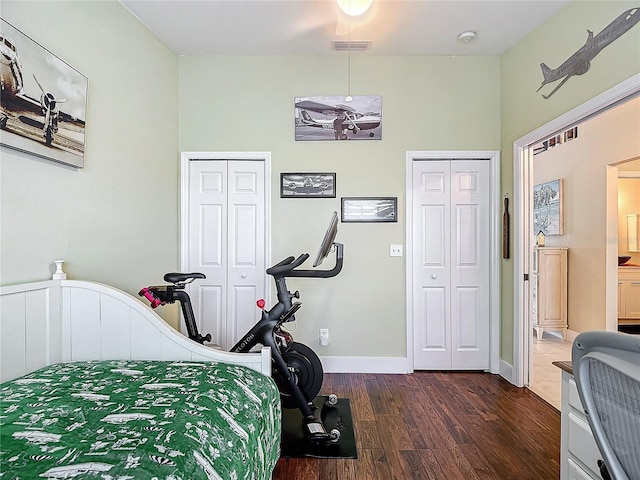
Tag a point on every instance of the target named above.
point(307, 185)
point(336, 118)
point(43, 102)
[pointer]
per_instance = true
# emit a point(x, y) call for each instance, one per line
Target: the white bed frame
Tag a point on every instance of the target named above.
point(68, 320)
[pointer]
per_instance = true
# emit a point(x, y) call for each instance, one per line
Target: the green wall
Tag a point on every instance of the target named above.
point(433, 103)
point(523, 110)
point(115, 220)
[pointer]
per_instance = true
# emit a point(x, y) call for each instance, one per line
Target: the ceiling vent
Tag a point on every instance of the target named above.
point(353, 45)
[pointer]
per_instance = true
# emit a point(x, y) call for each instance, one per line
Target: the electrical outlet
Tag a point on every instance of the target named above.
point(395, 250)
point(324, 337)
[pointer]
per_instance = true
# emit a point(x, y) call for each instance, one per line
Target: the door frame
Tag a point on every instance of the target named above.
point(522, 211)
point(495, 242)
point(185, 159)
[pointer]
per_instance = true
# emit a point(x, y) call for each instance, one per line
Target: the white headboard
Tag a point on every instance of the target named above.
point(68, 320)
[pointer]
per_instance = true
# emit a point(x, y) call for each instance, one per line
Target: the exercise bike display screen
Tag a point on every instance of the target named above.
point(327, 242)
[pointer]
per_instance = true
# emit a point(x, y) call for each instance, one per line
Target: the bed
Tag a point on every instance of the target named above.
point(96, 385)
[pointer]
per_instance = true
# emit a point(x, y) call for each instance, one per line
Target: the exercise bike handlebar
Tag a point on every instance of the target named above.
point(285, 261)
point(287, 267)
point(287, 264)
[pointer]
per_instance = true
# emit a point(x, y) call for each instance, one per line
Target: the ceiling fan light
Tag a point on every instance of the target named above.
point(354, 7)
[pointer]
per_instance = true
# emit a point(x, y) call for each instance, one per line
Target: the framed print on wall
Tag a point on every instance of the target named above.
point(369, 209)
point(307, 185)
point(335, 118)
point(547, 208)
point(43, 102)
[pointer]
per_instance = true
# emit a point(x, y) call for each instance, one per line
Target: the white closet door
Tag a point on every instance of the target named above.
point(227, 244)
point(451, 264)
point(432, 272)
point(246, 246)
point(470, 325)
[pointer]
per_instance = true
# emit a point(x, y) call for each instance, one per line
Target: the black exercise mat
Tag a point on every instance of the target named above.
point(295, 445)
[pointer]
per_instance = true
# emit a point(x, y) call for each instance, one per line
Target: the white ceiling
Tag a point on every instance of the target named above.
point(307, 27)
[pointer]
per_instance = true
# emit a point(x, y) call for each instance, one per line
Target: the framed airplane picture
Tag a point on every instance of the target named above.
point(44, 101)
point(369, 209)
point(336, 118)
point(308, 185)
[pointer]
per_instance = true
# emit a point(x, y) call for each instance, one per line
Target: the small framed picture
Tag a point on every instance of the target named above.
point(369, 209)
point(307, 185)
point(547, 208)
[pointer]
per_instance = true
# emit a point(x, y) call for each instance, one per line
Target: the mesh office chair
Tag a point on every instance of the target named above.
point(606, 366)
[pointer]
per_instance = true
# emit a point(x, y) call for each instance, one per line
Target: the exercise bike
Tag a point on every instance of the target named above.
point(296, 368)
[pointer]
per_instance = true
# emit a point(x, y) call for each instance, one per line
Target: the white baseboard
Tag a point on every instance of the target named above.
point(571, 335)
point(386, 365)
point(365, 364)
point(506, 371)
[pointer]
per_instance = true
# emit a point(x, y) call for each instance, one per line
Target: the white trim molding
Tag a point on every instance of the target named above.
point(506, 371)
point(522, 198)
point(366, 365)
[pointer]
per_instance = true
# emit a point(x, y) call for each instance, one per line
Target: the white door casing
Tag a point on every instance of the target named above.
point(225, 236)
point(521, 214)
point(453, 281)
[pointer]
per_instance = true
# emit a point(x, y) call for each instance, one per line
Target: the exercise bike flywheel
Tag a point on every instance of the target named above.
point(306, 369)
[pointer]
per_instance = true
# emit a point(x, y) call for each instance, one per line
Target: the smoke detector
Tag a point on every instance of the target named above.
point(466, 37)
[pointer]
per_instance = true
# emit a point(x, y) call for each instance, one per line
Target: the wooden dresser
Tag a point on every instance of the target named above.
point(549, 290)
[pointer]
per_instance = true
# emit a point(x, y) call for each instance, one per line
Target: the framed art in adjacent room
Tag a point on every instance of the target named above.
point(547, 208)
point(44, 101)
point(369, 209)
point(307, 185)
point(336, 118)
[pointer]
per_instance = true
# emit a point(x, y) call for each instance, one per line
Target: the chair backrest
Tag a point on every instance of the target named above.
point(606, 366)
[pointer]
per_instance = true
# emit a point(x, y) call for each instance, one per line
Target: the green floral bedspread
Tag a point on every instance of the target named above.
point(118, 420)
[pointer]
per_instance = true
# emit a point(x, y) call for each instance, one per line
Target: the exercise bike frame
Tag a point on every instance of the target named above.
point(267, 331)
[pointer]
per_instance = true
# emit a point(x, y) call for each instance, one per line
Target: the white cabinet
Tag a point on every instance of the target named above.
point(549, 290)
point(629, 293)
point(579, 452)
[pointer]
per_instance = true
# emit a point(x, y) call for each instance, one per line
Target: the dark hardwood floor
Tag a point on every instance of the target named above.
point(439, 425)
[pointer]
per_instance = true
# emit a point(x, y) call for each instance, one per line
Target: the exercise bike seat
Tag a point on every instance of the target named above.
point(176, 277)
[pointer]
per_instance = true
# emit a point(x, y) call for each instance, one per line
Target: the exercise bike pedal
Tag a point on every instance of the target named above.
point(318, 434)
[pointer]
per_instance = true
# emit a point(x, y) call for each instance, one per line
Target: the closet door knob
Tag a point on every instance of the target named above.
point(434, 276)
point(244, 275)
